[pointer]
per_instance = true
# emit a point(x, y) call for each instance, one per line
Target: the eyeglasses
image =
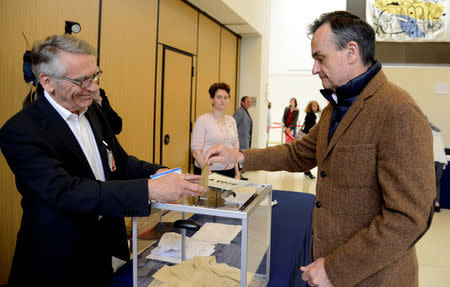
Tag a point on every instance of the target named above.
point(86, 81)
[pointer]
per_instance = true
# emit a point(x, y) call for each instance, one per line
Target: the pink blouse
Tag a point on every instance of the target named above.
point(208, 132)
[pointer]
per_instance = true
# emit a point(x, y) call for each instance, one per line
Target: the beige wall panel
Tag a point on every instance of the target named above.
point(238, 68)
point(158, 105)
point(194, 88)
point(128, 53)
point(193, 107)
point(178, 25)
point(421, 83)
point(228, 52)
point(208, 62)
point(37, 19)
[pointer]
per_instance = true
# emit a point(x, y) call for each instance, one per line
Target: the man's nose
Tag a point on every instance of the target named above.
point(93, 87)
point(315, 68)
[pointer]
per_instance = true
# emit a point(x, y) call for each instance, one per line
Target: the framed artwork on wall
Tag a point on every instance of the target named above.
point(409, 20)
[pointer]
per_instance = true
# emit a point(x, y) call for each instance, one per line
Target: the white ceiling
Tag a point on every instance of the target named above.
point(225, 15)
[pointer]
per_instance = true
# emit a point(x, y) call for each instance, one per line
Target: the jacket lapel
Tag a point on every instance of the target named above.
point(59, 129)
point(322, 136)
point(97, 129)
point(352, 112)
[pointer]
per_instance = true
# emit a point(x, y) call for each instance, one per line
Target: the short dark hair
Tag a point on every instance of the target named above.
point(347, 27)
point(218, 86)
point(243, 99)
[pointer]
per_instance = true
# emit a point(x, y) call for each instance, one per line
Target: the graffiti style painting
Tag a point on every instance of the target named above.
point(409, 20)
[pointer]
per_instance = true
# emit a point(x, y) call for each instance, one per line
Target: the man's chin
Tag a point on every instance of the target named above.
point(87, 102)
point(326, 84)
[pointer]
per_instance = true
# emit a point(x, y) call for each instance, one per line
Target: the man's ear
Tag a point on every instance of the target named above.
point(47, 83)
point(352, 52)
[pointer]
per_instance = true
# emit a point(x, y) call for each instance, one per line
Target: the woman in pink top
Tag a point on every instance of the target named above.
point(213, 128)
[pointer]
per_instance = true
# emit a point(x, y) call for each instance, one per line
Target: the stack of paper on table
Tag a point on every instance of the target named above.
point(169, 248)
point(202, 243)
point(201, 271)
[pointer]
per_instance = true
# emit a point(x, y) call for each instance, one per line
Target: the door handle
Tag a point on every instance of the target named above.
point(166, 139)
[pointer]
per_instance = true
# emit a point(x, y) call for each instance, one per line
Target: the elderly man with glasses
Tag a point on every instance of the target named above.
point(76, 181)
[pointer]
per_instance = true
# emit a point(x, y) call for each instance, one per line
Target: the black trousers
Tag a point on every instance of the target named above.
point(226, 172)
point(439, 169)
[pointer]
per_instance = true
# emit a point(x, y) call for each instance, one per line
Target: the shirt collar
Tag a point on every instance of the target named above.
point(63, 112)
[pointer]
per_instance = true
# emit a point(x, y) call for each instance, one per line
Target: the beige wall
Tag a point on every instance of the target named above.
point(208, 62)
point(254, 62)
point(228, 65)
point(421, 82)
point(255, 12)
point(128, 61)
point(178, 25)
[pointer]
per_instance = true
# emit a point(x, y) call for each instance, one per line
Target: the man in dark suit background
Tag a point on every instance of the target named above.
point(244, 123)
point(114, 120)
point(75, 179)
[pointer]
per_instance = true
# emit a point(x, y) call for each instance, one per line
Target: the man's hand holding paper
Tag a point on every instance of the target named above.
point(223, 154)
point(172, 186)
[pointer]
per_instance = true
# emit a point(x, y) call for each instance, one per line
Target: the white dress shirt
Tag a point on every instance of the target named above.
point(81, 129)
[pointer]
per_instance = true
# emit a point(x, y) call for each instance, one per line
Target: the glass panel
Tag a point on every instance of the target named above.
point(258, 246)
point(165, 226)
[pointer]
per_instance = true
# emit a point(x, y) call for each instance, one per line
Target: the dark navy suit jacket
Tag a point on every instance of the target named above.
point(72, 224)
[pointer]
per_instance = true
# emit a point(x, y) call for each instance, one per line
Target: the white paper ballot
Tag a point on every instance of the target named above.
point(227, 183)
point(217, 233)
point(169, 248)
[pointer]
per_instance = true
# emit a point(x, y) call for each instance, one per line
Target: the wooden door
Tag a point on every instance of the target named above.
point(176, 108)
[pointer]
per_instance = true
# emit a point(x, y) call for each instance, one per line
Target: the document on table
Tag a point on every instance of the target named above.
point(222, 182)
point(169, 248)
point(217, 233)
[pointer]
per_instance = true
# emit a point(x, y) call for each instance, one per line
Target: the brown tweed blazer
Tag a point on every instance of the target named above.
point(375, 186)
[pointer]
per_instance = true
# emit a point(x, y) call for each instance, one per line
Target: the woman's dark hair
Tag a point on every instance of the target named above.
point(347, 27)
point(308, 108)
point(295, 100)
point(218, 86)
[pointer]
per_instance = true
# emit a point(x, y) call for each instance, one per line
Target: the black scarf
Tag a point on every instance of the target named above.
point(346, 95)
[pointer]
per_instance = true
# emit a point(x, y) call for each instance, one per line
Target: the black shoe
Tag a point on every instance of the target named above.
point(437, 208)
point(243, 178)
point(309, 174)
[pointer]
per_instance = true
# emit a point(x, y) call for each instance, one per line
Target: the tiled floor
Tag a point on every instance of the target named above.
point(433, 250)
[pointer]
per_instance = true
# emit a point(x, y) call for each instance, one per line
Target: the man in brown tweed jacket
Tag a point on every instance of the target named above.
point(374, 152)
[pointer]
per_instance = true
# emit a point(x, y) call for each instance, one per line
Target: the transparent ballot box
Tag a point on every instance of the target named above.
point(221, 239)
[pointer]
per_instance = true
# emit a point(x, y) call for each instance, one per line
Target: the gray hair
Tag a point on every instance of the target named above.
point(347, 27)
point(45, 54)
